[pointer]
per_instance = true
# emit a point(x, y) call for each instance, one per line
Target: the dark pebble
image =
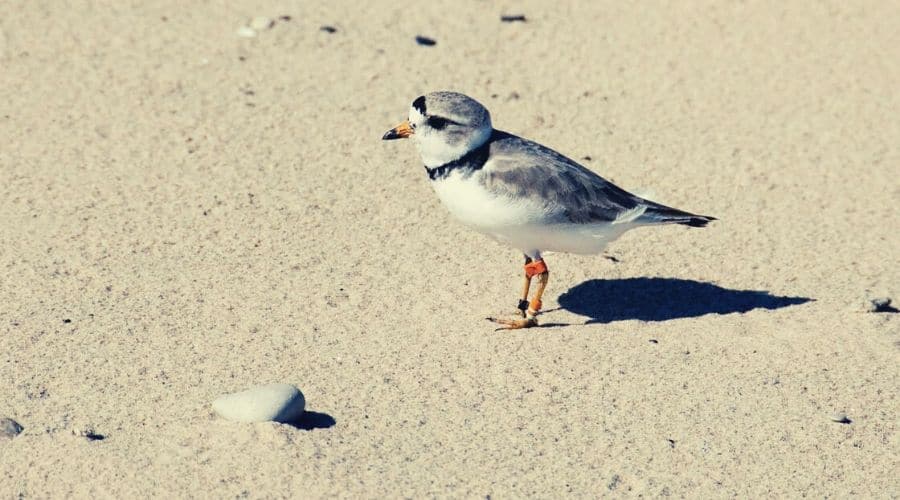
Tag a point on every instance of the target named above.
point(424, 40)
point(654, 341)
point(513, 19)
point(614, 482)
point(328, 29)
point(88, 432)
point(881, 305)
point(284, 18)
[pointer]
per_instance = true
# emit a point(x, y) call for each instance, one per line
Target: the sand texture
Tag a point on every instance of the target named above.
point(187, 212)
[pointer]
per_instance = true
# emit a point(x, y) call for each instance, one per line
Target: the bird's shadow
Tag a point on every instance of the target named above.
point(310, 420)
point(662, 299)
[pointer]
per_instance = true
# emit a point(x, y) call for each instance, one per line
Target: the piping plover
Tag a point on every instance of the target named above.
point(522, 193)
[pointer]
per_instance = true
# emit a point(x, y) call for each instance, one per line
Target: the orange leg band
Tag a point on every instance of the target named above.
point(535, 267)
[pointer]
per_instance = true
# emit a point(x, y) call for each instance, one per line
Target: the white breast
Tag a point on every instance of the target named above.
point(468, 200)
point(520, 222)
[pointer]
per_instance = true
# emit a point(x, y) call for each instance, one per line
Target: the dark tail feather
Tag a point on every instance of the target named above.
point(698, 221)
point(666, 215)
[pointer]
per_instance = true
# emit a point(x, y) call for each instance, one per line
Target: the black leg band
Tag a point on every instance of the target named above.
point(523, 305)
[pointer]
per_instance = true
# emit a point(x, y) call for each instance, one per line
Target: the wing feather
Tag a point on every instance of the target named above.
point(522, 168)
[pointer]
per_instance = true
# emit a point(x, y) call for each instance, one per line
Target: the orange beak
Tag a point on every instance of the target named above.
point(401, 131)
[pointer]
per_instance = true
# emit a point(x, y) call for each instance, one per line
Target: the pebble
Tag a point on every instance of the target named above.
point(424, 40)
point(263, 403)
point(840, 418)
point(9, 428)
point(614, 482)
point(513, 18)
point(87, 431)
point(261, 23)
point(246, 32)
point(879, 304)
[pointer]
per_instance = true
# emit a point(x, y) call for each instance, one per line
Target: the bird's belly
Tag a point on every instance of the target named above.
point(583, 239)
point(521, 223)
point(470, 202)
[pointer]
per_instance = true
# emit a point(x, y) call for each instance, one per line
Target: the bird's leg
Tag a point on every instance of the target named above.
point(523, 302)
point(533, 268)
point(535, 306)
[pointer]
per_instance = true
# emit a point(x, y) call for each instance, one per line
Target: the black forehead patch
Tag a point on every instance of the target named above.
point(419, 104)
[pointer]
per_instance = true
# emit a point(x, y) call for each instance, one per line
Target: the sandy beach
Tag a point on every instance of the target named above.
point(186, 212)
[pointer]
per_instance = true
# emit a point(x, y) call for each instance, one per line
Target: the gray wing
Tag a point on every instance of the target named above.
point(522, 168)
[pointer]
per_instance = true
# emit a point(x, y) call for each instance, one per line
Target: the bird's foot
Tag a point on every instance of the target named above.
point(514, 323)
point(521, 309)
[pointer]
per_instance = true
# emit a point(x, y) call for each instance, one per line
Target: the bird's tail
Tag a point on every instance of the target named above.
point(661, 214)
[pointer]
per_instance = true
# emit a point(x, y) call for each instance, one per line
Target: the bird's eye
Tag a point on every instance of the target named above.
point(436, 122)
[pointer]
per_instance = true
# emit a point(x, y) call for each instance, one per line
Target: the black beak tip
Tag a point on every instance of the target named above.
point(390, 135)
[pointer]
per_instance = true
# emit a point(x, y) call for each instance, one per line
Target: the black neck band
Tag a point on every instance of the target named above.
point(468, 163)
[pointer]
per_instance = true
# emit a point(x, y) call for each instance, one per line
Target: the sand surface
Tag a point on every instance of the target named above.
point(185, 212)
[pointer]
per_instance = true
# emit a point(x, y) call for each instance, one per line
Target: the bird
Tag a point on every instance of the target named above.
point(521, 193)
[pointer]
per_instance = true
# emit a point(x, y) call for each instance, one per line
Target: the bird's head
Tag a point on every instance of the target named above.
point(444, 126)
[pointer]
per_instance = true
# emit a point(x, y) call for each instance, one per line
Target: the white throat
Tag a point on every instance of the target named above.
point(435, 150)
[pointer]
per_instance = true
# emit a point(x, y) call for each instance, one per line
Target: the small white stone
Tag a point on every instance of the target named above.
point(839, 417)
point(87, 431)
point(263, 403)
point(246, 32)
point(261, 23)
point(9, 428)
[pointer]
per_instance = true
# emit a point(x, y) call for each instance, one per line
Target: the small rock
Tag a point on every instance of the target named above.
point(9, 428)
point(285, 18)
point(261, 23)
point(513, 18)
point(263, 403)
point(328, 29)
point(425, 41)
point(246, 32)
point(87, 431)
point(880, 305)
point(840, 418)
point(614, 482)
